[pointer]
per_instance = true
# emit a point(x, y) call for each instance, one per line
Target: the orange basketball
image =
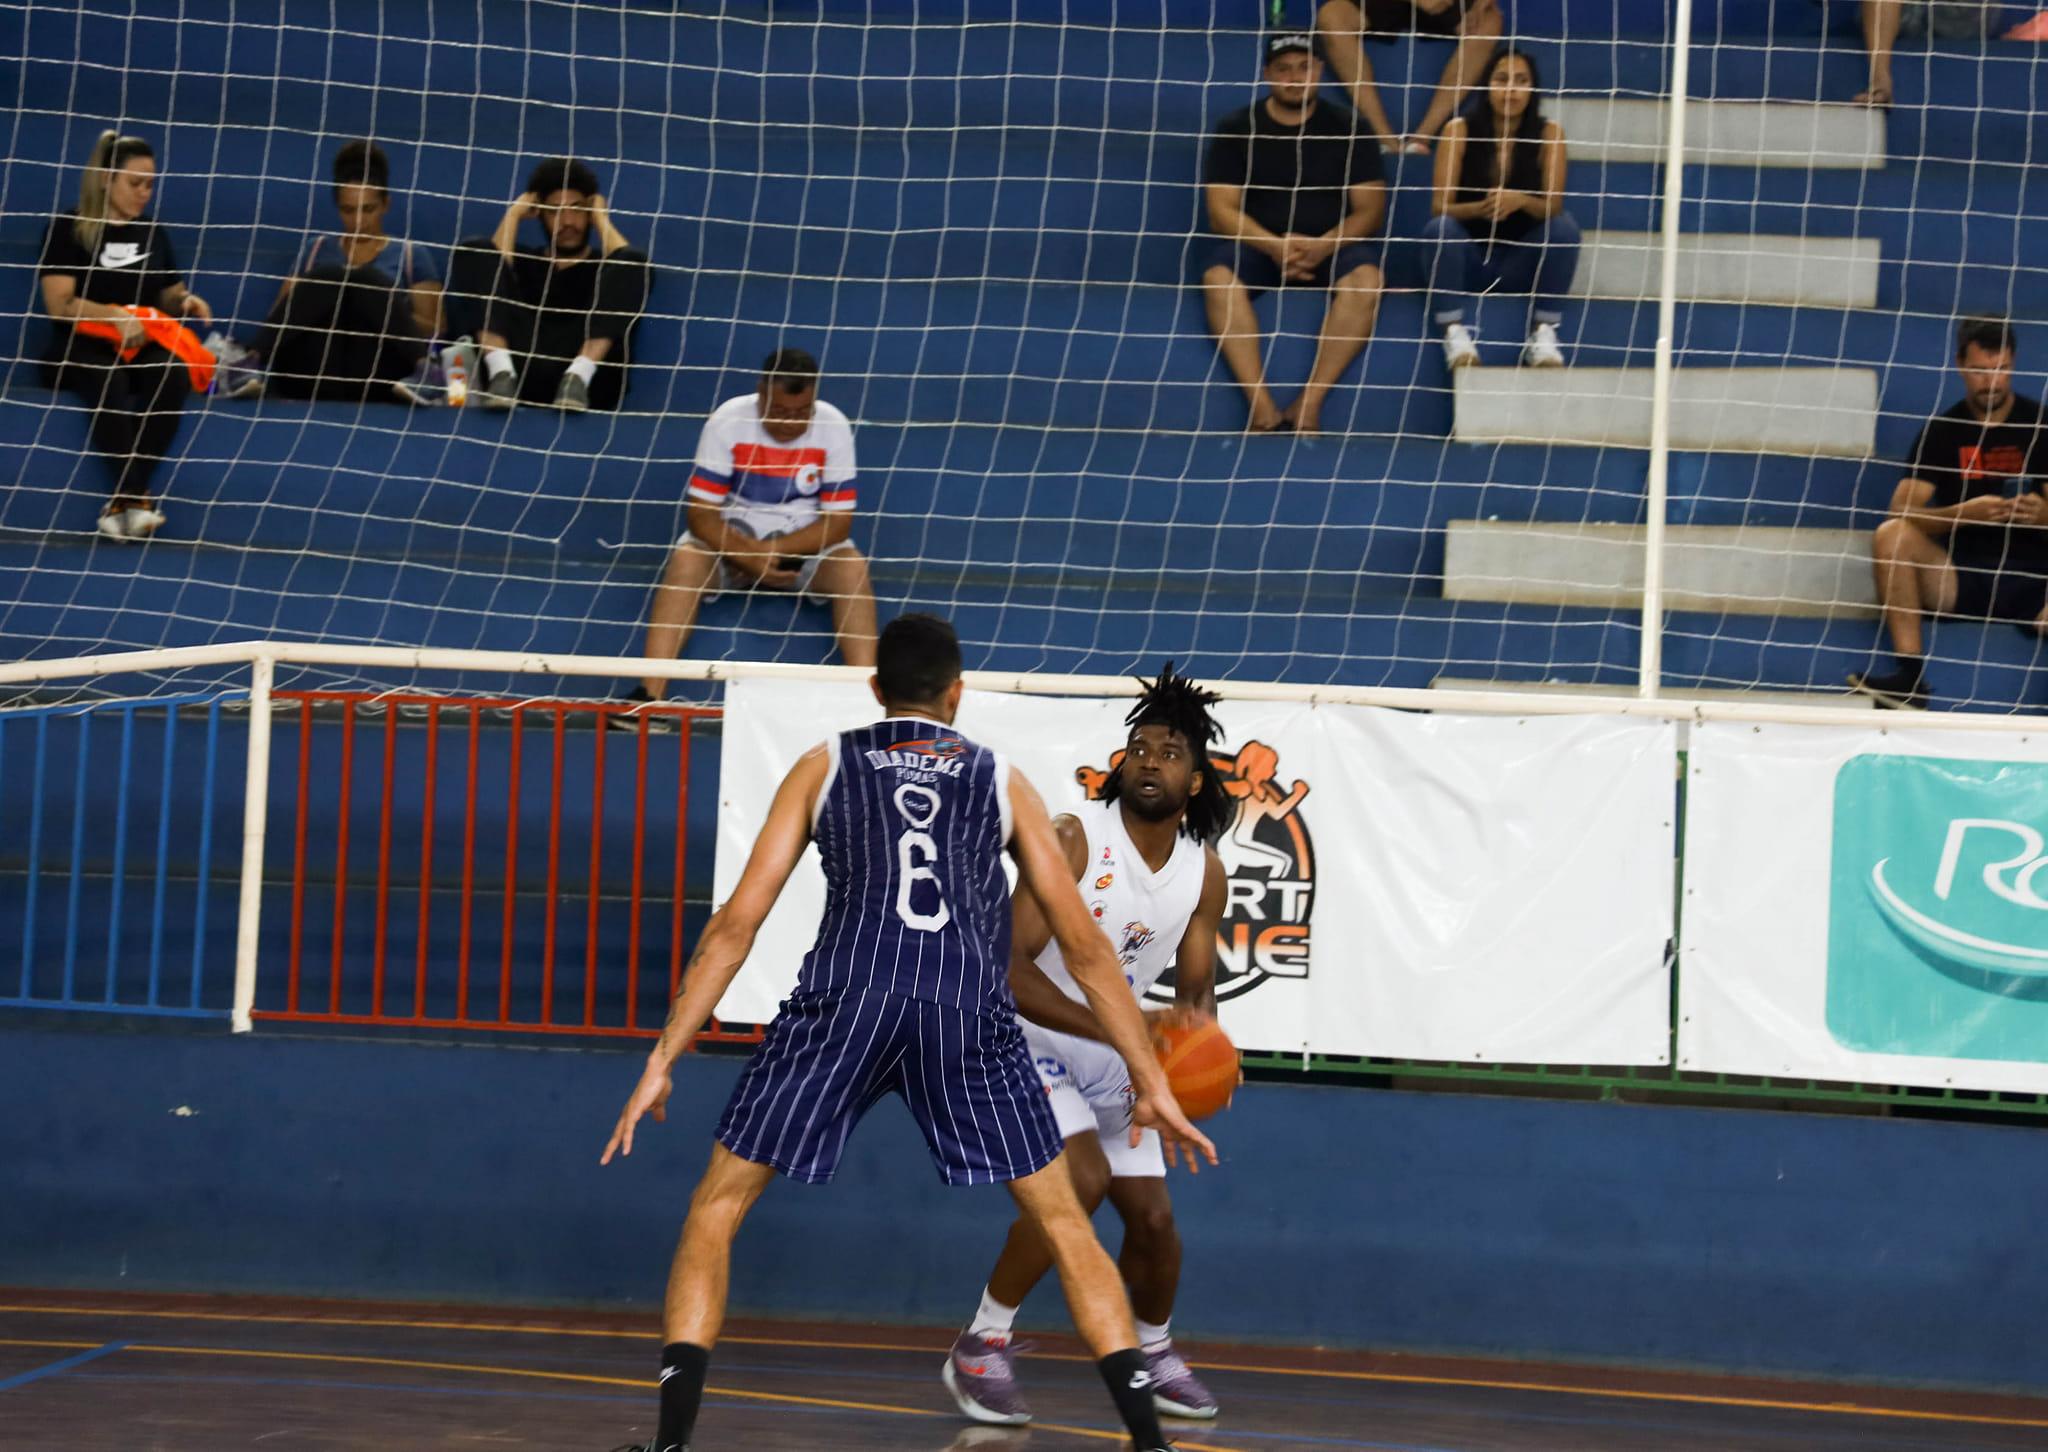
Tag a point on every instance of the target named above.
point(1201, 1065)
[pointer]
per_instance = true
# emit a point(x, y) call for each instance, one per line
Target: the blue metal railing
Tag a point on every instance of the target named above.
point(112, 796)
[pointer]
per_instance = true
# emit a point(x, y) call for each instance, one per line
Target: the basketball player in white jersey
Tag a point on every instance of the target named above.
point(1142, 859)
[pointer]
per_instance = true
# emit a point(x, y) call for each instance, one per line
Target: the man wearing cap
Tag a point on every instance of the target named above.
point(1294, 189)
point(553, 323)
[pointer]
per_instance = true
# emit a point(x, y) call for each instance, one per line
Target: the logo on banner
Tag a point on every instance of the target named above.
point(1270, 858)
point(1938, 918)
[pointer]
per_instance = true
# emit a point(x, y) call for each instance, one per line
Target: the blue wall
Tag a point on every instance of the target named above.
point(1789, 1243)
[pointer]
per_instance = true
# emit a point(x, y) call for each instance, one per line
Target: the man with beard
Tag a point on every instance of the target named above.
point(1967, 535)
point(553, 323)
point(1155, 886)
point(1293, 189)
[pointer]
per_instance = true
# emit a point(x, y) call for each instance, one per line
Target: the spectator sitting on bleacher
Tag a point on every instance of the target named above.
point(771, 507)
point(1475, 26)
point(99, 265)
point(1293, 188)
point(1500, 223)
point(1968, 532)
point(1884, 21)
point(553, 323)
point(356, 315)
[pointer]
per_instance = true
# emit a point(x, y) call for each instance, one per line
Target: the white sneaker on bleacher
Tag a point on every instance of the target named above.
point(1461, 347)
point(1542, 349)
point(127, 524)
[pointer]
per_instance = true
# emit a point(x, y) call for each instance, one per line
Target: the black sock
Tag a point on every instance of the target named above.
point(682, 1388)
point(1130, 1387)
point(1913, 666)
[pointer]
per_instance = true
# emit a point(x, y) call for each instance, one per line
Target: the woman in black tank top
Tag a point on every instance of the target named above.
point(1500, 223)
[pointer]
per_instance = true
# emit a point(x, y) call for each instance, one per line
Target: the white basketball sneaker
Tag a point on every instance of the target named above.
point(1461, 348)
point(1542, 350)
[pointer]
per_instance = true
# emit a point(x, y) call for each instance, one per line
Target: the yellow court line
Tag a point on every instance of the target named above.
point(586, 1378)
point(50, 1345)
point(1841, 1409)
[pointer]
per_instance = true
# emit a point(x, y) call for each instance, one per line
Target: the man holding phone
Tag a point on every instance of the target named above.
point(771, 504)
point(1967, 532)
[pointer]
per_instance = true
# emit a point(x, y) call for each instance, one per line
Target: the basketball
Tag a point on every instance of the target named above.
point(1201, 1065)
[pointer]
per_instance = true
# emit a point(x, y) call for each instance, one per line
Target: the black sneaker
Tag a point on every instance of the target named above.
point(1904, 689)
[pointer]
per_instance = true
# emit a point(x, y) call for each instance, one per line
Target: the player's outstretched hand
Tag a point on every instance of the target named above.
point(650, 1096)
point(1177, 1137)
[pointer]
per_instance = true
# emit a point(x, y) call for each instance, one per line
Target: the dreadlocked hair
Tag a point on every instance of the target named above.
point(1182, 707)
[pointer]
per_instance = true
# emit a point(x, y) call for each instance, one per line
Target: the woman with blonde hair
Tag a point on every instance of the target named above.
point(100, 263)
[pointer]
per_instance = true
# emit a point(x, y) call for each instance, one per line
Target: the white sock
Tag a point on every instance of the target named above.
point(585, 369)
point(497, 361)
point(1152, 1338)
point(993, 1320)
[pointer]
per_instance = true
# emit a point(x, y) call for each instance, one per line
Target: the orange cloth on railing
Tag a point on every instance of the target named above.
point(167, 333)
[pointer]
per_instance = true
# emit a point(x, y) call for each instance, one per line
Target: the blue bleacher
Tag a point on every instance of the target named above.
point(986, 232)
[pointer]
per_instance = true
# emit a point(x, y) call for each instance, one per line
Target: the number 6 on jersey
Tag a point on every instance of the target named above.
point(919, 807)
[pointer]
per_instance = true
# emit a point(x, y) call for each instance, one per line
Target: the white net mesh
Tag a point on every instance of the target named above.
point(990, 230)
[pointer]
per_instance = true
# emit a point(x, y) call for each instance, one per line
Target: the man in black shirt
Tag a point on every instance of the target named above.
point(1293, 188)
point(1968, 532)
point(553, 324)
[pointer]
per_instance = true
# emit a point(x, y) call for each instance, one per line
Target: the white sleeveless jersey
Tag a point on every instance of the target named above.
point(1144, 913)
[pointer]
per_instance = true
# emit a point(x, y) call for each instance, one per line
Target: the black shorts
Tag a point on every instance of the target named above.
point(1260, 273)
point(1989, 593)
point(1387, 19)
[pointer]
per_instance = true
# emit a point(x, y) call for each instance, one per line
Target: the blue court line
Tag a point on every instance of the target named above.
point(58, 1368)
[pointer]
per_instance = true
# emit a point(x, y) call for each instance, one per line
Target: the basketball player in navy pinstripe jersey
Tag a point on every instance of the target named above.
point(905, 991)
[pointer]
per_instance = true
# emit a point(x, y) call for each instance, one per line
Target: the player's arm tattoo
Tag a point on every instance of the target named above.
point(674, 1037)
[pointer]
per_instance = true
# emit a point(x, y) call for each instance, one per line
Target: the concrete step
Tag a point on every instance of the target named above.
point(1797, 134)
point(1724, 569)
point(1738, 267)
point(1748, 695)
point(1805, 411)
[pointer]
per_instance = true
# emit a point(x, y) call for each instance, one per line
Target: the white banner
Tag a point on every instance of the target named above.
point(1866, 905)
point(1401, 885)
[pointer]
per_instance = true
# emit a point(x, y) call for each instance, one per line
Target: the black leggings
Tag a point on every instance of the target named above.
point(525, 303)
point(136, 405)
point(343, 334)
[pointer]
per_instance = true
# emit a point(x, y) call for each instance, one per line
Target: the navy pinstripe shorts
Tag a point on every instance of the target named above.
point(827, 1060)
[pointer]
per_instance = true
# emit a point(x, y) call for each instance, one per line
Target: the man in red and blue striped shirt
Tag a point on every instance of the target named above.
point(770, 507)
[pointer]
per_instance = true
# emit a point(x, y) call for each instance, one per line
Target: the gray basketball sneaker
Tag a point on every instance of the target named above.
point(983, 1381)
point(1177, 1391)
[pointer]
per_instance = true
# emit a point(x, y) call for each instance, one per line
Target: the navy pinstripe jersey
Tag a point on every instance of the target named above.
point(911, 823)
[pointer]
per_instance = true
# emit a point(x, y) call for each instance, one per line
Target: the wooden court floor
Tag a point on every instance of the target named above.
point(201, 1374)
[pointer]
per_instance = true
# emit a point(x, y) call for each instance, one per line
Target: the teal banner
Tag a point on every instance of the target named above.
point(1938, 908)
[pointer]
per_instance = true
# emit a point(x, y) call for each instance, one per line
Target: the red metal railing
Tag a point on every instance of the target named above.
point(528, 966)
